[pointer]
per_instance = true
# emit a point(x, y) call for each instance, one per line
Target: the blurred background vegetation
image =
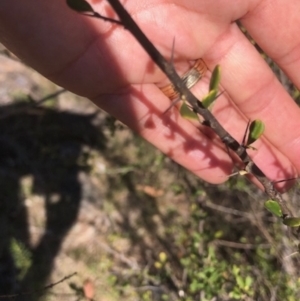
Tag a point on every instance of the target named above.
point(81, 193)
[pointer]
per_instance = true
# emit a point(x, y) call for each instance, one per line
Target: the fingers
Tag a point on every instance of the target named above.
point(251, 85)
point(91, 57)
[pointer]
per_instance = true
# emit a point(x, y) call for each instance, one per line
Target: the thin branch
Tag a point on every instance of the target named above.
point(98, 16)
point(49, 96)
point(237, 245)
point(51, 285)
point(14, 110)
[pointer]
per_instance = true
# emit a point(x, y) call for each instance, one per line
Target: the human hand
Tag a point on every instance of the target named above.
point(103, 61)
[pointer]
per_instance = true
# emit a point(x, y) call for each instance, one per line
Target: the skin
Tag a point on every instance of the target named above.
point(103, 62)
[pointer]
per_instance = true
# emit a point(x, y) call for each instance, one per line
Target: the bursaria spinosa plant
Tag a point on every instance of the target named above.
point(196, 109)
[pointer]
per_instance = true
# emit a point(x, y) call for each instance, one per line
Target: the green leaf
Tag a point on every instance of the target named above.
point(209, 98)
point(240, 281)
point(235, 270)
point(80, 6)
point(256, 129)
point(215, 79)
point(187, 113)
point(248, 282)
point(292, 221)
point(273, 207)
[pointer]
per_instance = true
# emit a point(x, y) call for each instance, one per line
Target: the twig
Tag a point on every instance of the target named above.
point(49, 96)
point(14, 110)
point(224, 209)
point(38, 291)
point(237, 245)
